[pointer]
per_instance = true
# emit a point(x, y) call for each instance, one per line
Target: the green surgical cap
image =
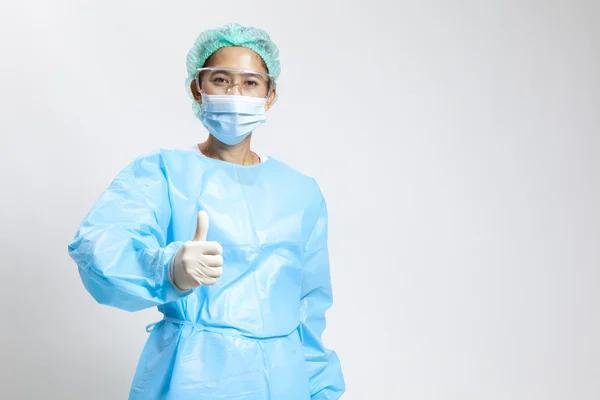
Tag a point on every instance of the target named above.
point(230, 35)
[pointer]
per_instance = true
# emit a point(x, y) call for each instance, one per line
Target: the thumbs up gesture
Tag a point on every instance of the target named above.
point(198, 262)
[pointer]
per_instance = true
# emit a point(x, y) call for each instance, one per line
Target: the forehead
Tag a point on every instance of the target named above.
point(236, 57)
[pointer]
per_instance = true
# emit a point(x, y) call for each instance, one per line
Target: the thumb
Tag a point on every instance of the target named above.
point(201, 227)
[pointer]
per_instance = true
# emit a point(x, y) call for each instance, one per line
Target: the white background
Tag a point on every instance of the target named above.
point(457, 144)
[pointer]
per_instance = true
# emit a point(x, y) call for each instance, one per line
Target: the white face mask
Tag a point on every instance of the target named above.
point(231, 118)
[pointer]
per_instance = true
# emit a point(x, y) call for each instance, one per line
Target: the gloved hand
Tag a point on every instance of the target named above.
point(197, 262)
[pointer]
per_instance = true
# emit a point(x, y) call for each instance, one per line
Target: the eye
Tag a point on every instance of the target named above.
point(252, 83)
point(219, 80)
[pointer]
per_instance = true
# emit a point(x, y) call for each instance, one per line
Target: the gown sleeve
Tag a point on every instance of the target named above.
point(121, 246)
point(323, 365)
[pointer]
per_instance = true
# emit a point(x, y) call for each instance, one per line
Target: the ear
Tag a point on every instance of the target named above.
point(195, 92)
point(271, 99)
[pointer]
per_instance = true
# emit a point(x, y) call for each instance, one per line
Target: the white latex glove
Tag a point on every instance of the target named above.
point(197, 262)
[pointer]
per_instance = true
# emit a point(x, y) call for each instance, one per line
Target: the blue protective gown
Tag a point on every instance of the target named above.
point(255, 334)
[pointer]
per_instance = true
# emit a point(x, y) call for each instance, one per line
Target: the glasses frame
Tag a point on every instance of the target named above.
point(268, 77)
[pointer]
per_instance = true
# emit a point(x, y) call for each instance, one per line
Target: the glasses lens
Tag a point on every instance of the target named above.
point(228, 81)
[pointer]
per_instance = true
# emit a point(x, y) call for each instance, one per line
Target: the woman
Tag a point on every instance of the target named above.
point(244, 300)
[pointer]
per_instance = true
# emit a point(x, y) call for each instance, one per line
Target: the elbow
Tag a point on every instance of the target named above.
point(110, 292)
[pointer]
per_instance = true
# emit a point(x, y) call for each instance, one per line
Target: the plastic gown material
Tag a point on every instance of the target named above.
point(255, 334)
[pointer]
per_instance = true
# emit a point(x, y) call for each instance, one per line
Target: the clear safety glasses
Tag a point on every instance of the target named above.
point(221, 80)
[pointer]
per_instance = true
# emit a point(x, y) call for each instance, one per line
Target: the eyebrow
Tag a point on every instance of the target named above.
point(228, 73)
